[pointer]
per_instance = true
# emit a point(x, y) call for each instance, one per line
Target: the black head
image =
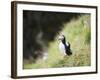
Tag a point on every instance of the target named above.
point(62, 38)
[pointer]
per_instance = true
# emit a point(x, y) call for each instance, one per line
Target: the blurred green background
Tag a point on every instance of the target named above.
point(78, 33)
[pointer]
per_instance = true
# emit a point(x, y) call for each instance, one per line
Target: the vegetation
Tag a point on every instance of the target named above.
point(78, 33)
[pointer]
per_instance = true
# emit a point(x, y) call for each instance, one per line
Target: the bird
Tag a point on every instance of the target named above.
point(64, 46)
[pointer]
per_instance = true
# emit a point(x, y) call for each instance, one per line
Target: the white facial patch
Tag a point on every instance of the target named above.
point(61, 37)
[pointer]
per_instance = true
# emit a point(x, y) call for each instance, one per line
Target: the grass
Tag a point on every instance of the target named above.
point(78, 33)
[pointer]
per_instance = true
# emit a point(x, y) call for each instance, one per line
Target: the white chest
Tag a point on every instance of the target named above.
point(62, 48)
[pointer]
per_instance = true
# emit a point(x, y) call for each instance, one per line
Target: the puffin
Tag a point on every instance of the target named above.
point(64, 46)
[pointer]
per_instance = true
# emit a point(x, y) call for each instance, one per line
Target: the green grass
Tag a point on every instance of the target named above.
point(78, 33)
